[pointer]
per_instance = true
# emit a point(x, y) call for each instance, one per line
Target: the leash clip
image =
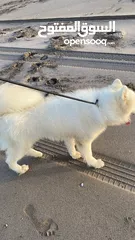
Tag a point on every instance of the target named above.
point(96, 103)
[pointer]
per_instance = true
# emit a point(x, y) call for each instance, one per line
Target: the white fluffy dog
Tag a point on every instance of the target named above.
point(26, 117)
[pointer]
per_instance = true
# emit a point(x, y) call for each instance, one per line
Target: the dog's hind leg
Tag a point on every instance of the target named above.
point(14, 154)
point(34, 153)
point(86, 152)
point(70, 144)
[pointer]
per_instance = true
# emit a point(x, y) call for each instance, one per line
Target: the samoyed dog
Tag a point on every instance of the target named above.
point(26, 116)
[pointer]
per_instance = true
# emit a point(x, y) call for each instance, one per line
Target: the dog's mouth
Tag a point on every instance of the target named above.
point(129, 120)
point(128, 123)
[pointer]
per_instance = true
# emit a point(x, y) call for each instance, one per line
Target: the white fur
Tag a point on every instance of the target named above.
point(15, 98)
point(23, 122)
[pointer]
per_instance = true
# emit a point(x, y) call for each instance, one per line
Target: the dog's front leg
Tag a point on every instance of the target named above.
point(86, 152)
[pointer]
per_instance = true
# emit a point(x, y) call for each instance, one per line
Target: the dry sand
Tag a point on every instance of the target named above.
point(26, 36)
point(52, 8)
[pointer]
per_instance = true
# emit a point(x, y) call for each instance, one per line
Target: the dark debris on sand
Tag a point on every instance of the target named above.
point(131, 86)
point(57, 42)
point(113, 38)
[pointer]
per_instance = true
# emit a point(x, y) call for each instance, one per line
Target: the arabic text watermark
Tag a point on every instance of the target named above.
point(82, 29)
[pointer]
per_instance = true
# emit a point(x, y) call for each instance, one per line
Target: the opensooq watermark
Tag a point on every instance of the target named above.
point(82, 30)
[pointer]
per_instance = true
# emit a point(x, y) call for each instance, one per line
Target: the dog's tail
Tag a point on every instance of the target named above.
point(14, 98)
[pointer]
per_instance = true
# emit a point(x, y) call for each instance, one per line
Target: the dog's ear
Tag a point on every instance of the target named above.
point(117, 84)
point(124, 93)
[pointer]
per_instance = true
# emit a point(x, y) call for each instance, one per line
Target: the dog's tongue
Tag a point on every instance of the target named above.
point(128, 123)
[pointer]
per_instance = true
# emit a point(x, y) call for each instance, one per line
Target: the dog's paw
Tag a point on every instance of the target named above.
point(38, 154)
point(76, 155)
point(24, 169)
point(99, 164)
point(96, 163)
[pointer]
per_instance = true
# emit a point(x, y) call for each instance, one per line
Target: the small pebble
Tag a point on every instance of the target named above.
point(6, 225)
point(81, 184)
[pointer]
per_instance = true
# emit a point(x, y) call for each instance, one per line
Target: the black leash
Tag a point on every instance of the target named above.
point(48, 92)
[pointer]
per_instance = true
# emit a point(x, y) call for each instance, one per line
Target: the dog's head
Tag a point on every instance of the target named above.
point(119, 103)
point(126, 98)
